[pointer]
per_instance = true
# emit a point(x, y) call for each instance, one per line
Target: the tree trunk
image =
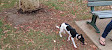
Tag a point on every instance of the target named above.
point(28, 5)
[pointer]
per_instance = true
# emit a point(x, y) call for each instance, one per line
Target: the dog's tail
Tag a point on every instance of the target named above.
point(57, 27)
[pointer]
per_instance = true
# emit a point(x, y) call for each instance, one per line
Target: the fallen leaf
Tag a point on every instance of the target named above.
point(15, 27)
point(88, 49)
point(60, 12)
point(74, 16)
point(21, 26)
point(63, 40)
point(54, 48)
point(57, 32)
point(2, 4)
point(5, 12)
point(6, 31)
point(93, 46)
point(10, 24)
point(61, 48)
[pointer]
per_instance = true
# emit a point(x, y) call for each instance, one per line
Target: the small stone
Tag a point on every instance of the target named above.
point(51, 18)
point(54, 40)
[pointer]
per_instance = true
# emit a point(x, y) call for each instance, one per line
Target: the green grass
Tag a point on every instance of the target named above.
point(1, 24)
point(77, 7)
point(71, 0)
point(62, 2)
point(7, 4)
point(17, 39)
point(54, 4)
point(63, 14)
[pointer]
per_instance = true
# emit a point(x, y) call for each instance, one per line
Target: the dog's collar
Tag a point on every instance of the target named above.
point(77, 35)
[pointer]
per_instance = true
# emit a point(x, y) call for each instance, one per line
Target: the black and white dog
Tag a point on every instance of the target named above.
point(72, 33)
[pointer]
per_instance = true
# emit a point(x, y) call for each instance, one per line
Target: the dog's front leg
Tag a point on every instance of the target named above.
point(69, 38)
point(60, 33)
point(73, 42)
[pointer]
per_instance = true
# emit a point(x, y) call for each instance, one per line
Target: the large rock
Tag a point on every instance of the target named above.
point(29, 5)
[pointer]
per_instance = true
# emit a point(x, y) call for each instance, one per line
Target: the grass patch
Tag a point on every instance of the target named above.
point(64, 14)
point(77, 7)
point(7, 4)
point(62, 2)
point(71, 0)
point(1, 24)
point(55, 4)
point(30, 40)
point(73, 12)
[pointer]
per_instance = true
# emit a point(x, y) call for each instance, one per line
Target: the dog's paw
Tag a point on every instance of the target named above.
point(68, 40)
point(75, 46)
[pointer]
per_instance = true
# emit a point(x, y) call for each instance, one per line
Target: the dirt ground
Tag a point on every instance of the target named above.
point(45, 21)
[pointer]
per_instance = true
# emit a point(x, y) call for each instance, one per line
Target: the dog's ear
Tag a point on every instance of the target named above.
point(79, 36)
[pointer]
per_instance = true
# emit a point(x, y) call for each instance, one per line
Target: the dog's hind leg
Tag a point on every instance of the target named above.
point(64, 32)
point(73, 42)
